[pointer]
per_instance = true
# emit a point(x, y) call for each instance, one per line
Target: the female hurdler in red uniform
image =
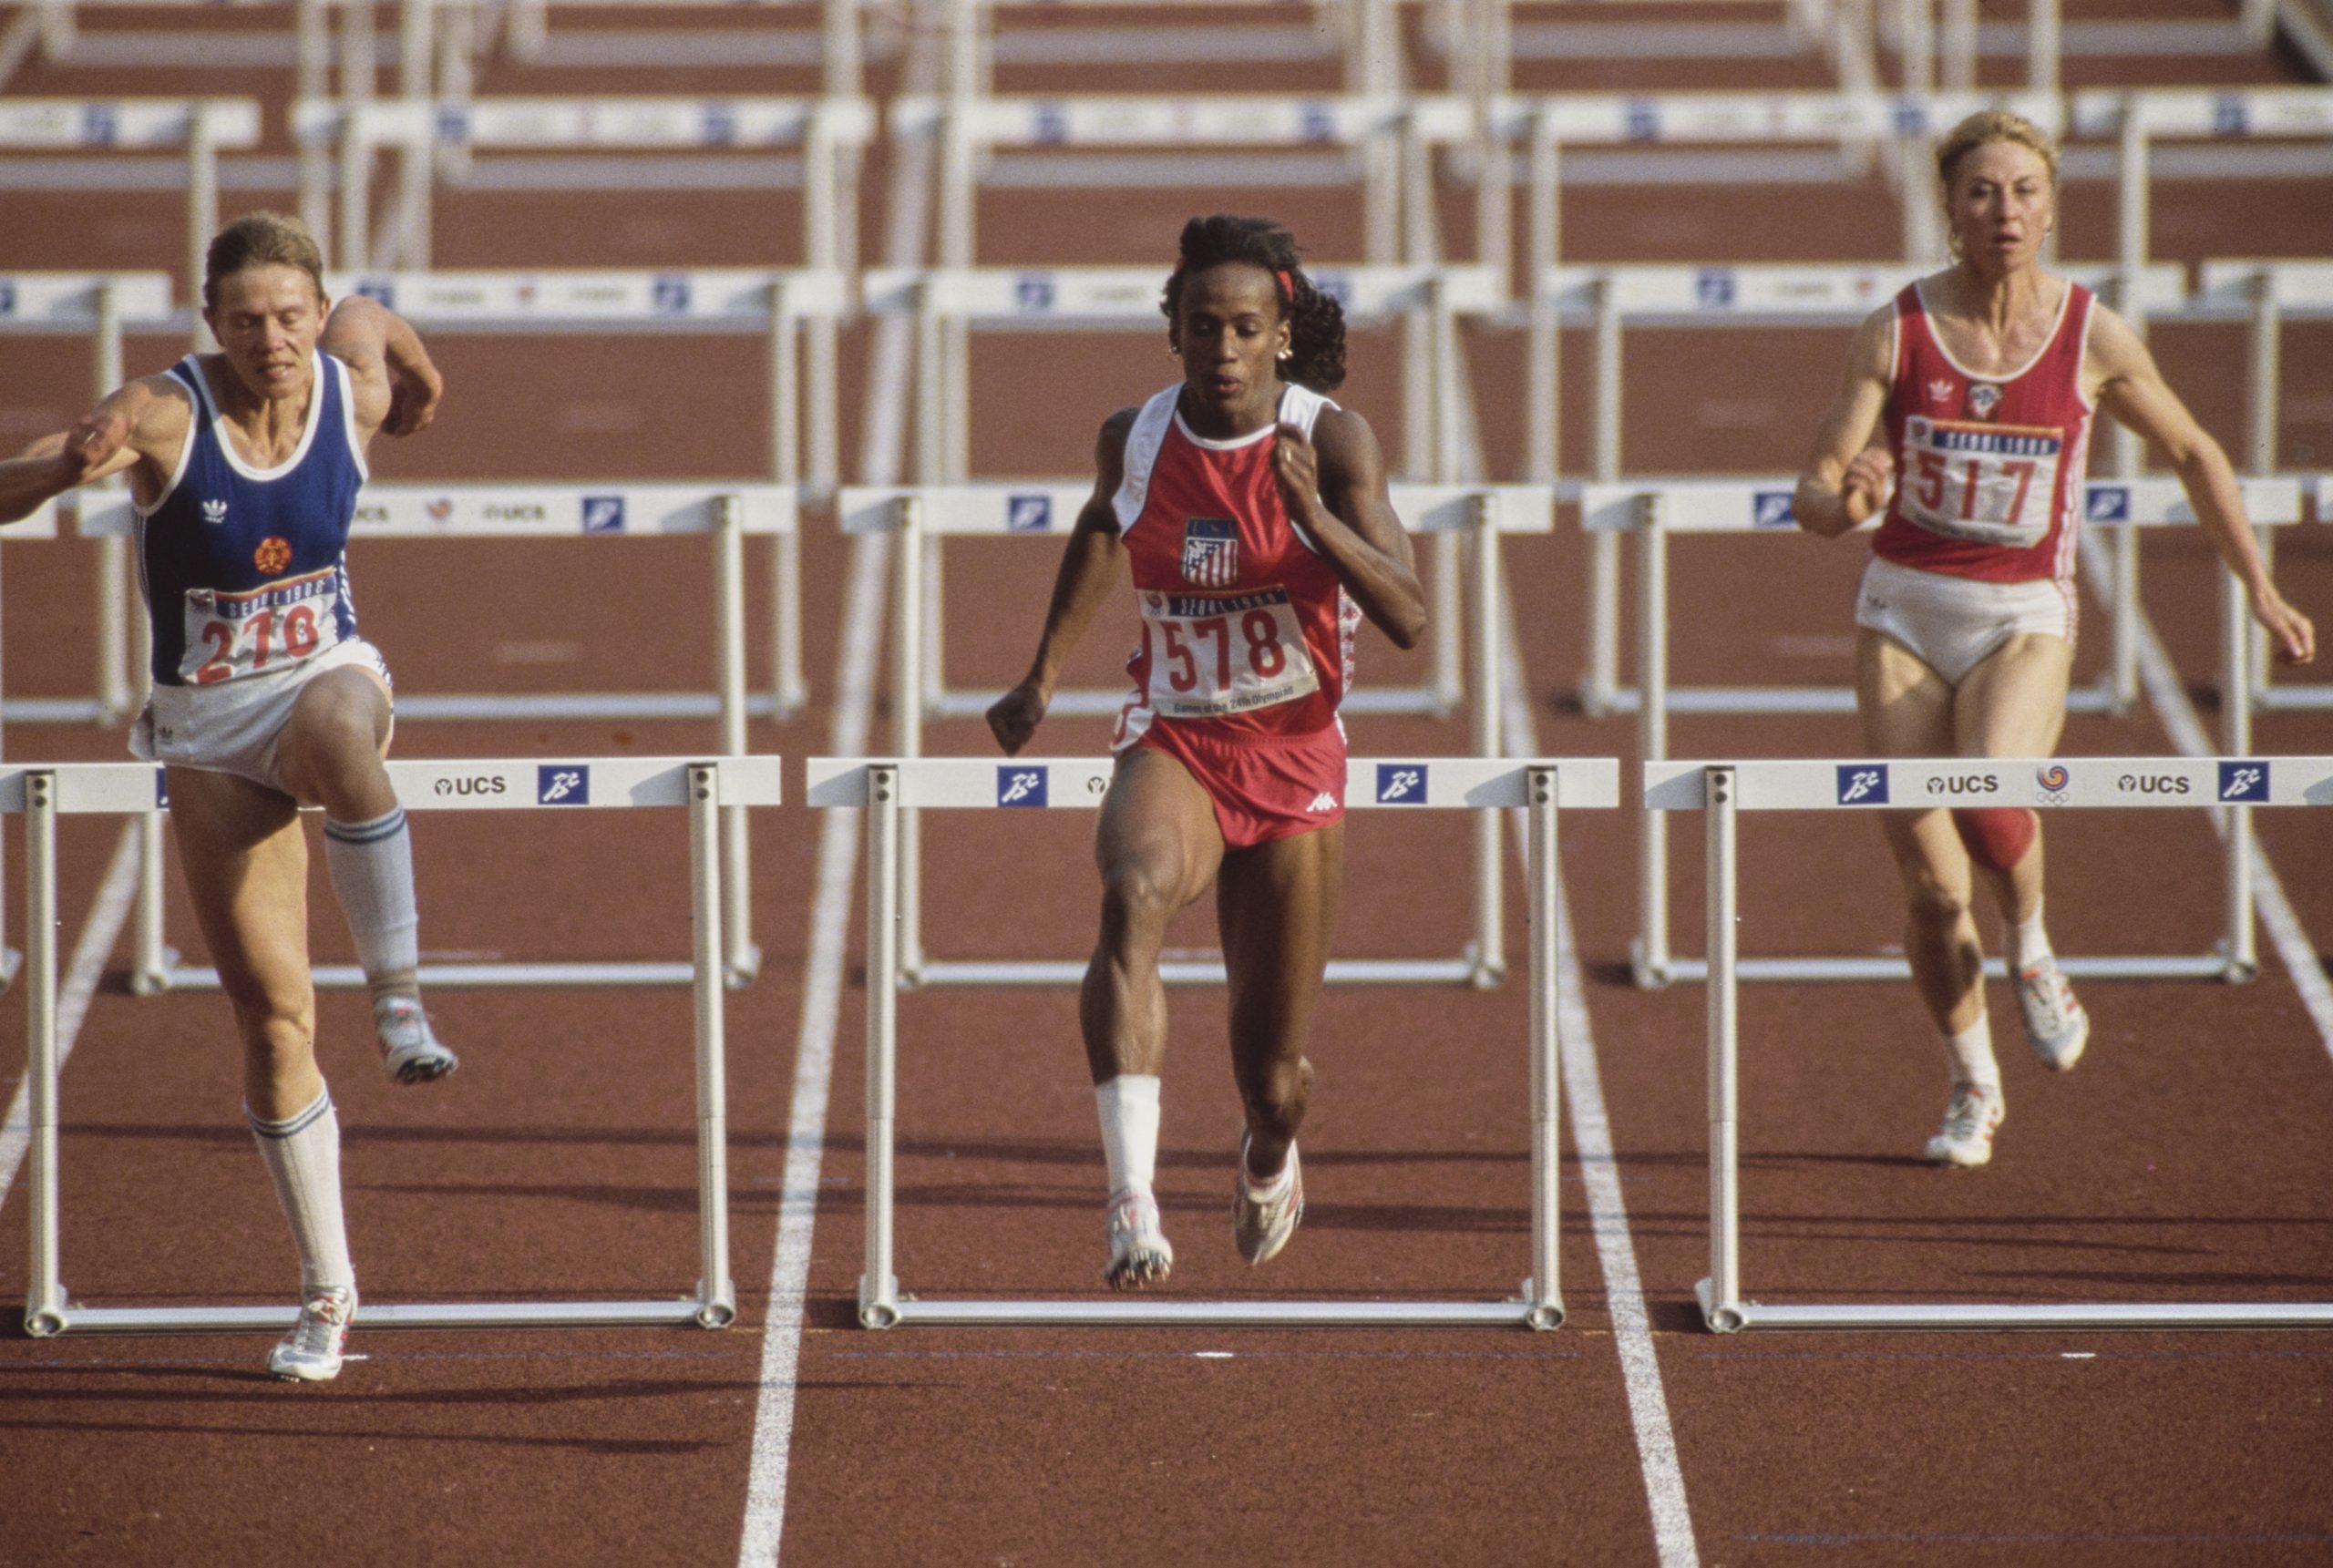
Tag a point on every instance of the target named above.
point(1254, 516)
point(1971, 396)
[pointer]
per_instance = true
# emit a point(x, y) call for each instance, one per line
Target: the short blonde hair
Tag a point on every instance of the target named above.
point(259, 240)
point(1982, 130)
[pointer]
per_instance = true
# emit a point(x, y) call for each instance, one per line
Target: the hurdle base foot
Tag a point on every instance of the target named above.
point(879, 1309)
point(743, 968)
point(1540, 1317)
point(1647, 974)
point(11, 963)
point(718, 1308)
point(1725, 1320)
point(154, 983)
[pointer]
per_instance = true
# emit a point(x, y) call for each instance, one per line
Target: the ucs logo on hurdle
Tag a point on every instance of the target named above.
point(558, 784)
point(1862, 783)
point(603, 514)
point(1028, 514)
point(1772, 509)
point(2244, 781)
point(2107, 504)
point(1400, 783)
point(1020, 786)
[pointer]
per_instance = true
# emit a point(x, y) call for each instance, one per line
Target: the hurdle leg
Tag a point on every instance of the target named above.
point(149, 975)
point(1652, 961)
point(743, 959)
point(1721, 1292)
point(1603, 678)
point(113, 551)
point(1490, 916)
point(716, 1292)
point(2240, 950)
point(907, 727)
point(789, 690)
point(43, 1294)
point(1542, 1291)
point(878, 1288)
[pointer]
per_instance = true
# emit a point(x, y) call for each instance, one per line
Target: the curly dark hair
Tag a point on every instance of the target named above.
point(1316, 323)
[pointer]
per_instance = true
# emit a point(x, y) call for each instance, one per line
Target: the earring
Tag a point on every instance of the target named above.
point(1287, 354)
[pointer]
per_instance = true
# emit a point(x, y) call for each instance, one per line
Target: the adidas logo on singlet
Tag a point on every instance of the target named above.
point(214, 511)
point(1324, 800)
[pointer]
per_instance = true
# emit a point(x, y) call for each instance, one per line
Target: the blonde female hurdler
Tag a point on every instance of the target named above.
point(244, 467)
point(1966, 419)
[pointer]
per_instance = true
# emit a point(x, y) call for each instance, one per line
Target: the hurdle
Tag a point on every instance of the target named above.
point(201, 126)
point(540, 511)
point(889, 789)
point(105, 305)
point(1653, 513)
point(707, 788)
point(1482, 514)
point(1725, 790)
point(949, 303)
point(41, 525)
point(2264, 295)
point(797, 310)
point(1759, 296)
point(829, 131)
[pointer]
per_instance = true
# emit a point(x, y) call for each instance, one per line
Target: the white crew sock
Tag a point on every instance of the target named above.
point(372, 871)
point(1972, 1056)
point(1128, 1105)
point(1271, 1187)
point(302, 1153)
point(2025, 943)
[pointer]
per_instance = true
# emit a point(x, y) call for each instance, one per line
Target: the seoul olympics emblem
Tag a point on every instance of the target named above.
point(273, 556)
point(2053, 780)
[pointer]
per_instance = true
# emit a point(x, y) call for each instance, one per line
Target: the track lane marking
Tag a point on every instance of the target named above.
point(108, 912)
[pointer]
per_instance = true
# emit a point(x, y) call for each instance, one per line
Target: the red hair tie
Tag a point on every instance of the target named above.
point(1287, 284)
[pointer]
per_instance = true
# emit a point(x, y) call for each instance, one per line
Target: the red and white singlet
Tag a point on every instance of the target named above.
point(1246, 632)
point(1988, 469)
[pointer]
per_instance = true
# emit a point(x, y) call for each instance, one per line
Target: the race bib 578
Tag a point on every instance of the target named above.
point(1213, 654)
point(1987, 482)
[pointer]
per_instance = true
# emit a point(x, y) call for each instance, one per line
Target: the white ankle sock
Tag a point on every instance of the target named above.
point(1972, 1056)
point(302, 1153)
point(2026, 942)
point(1128, 1106)
point(1271, 1187)
point(372, 871)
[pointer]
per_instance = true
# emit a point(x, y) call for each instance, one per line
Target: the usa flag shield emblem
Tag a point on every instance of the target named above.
point(1210, 551)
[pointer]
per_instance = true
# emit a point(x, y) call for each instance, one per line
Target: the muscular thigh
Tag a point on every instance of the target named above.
point(2013, 704)
point(246, 864)
point(1906, 710)
point(1158, 826)
point(1277, 905)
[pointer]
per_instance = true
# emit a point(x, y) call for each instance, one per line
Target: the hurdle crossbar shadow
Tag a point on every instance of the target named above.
point(1761, 295)
point(2267, 294)
point(1479, 513)
point(1653, 512)
point(540, 511)
point(105, 306)
point(888, 790)
point(794, 310)
point(705, 787)
point(948, 303)
point(202, 126)
point(1725, 790)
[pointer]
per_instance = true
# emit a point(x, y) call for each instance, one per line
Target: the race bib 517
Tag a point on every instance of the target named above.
point(1987, 482)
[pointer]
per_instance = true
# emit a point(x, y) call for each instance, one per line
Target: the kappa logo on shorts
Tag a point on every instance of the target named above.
point(1772, 509)
point(1862, 783)
point(2107, 504)
point(1020, 786)
point(1028, 514)
point(1322, 802)
point(2245, 781)
point(1400, 783)
point(1210, 551)
point(563, 784)
point(603, 514)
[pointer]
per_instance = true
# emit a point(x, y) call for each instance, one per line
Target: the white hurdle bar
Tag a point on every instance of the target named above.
point(829, 130)
point(785, 305)
point(1655, 512)
point(1723, 790)
point(948, 303)
point(1480, 512)
point(707, 788)
point(201, 126)
point(1761, 295)
point(542, 511)
point(889, 789)
point(105, 305)
point(2267, 294)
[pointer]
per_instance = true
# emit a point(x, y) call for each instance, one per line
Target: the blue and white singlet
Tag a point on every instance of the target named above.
point(245, 569)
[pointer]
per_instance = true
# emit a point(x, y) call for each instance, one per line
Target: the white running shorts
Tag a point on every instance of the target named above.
point(1956, 623)
point(232, 727)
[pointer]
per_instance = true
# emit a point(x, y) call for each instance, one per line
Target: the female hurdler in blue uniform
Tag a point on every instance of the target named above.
point(244, 466)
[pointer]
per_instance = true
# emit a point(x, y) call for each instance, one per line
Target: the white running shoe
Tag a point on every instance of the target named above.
point(1966, 1138)
point(1261, 1224)
point(311, 1353)
point(411, 1052)
point(2056, 1026)
point(1139, 1254)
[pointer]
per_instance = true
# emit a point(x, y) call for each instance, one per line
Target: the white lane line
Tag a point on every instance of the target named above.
point(2169, 696)
point(861, 651)
point(1591, 1136)
point(111, 908)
